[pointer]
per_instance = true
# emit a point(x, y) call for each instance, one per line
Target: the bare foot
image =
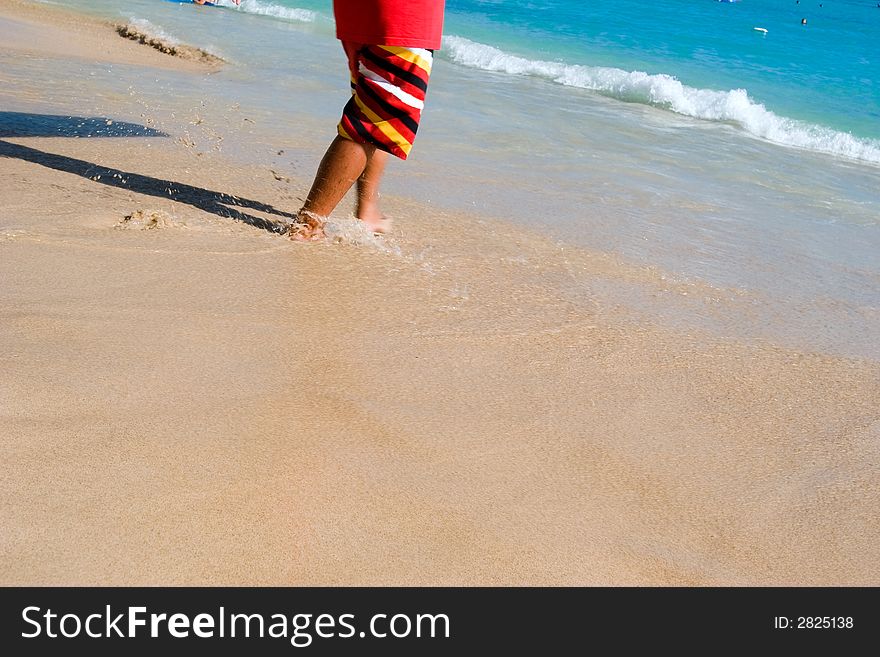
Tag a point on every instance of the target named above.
point(375, 221)
point(308, 227)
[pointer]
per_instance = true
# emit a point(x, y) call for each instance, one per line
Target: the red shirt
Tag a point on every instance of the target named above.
point(412, 23)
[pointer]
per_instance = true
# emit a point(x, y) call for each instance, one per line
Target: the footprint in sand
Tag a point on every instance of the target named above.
point(149, 220)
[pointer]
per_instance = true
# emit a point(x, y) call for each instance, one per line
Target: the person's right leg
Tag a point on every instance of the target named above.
point(343, 163)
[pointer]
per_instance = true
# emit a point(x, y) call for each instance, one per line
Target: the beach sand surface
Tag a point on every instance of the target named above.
point(187, 398)
point(29, 29)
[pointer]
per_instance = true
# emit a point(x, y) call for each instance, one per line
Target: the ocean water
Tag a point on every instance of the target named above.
point(672, 134)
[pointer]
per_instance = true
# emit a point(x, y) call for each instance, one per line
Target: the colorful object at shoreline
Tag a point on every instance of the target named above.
point(193, 2)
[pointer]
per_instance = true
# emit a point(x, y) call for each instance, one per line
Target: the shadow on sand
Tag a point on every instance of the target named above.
point(17, 124)
point(23, 124)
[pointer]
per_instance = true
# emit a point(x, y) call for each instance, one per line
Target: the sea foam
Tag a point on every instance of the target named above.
point(270, 9)
point(151, 30)
point(667, 92)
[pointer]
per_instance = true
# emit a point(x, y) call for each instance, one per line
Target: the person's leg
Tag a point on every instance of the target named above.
point(367, 209)
point(341, 166)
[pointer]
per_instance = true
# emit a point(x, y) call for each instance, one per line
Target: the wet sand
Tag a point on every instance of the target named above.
point(31, 29)
point(188, 398)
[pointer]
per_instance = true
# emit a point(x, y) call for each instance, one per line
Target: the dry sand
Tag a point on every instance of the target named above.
point(186, 398)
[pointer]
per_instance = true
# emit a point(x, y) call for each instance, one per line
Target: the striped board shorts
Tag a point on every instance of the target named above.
point(388, 85)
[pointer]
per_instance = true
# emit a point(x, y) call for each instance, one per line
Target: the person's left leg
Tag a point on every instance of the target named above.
point(367, 209)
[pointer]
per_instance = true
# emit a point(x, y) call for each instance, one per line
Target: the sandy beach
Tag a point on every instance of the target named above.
point(189, 398)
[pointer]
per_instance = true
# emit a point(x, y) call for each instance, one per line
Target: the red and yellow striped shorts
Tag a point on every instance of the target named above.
point(388, 85)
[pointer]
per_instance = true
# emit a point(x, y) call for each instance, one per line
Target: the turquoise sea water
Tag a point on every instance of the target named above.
point(670, 133)
point(810, 86)
point(822, 73)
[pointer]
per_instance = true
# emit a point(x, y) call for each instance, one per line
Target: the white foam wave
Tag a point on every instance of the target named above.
point(270, 9)
point(150, 29)
point(667, 92)
point(154, 31)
